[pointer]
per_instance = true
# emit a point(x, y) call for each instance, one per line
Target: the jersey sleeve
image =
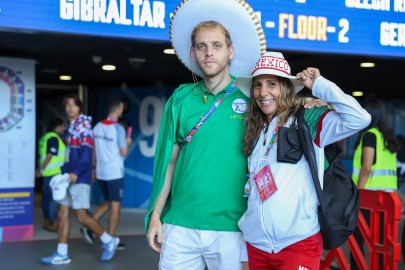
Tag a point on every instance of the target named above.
point(369, 139)
point(52, 146)
point(313, 117)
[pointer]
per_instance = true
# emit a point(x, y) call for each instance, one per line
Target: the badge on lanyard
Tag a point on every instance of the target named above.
point(265, 183)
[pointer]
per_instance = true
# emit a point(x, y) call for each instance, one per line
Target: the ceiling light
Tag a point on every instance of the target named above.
point(109, 67)
point(65, 77)
point(367, 65)
point(357, 93)
point(169, 51)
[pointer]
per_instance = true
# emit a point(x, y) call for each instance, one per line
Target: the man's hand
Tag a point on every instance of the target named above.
point(309, 104)
point(72, 178)
point(93, 175)
point(155, 233)
point(38, 173)
point(129, 141)
point(245, 266)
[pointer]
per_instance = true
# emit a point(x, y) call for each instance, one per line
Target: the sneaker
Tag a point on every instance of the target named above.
point(87, 235)
point(121, 246)
point(56, 258)
point(109, 249)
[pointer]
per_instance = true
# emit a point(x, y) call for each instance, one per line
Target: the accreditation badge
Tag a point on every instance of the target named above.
point(265, 183)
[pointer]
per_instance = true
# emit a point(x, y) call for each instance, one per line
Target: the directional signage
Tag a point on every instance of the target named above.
point(371, 27)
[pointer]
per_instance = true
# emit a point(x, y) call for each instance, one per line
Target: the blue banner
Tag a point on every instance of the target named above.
point(16, 206)
point(364, 27)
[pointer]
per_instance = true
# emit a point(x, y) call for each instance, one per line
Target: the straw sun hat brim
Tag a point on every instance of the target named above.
point(235, 15)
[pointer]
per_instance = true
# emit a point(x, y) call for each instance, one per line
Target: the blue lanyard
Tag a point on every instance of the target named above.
point(271, 142)
point(208, 114)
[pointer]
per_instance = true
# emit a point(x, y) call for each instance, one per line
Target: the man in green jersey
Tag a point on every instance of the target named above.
point(200, 170)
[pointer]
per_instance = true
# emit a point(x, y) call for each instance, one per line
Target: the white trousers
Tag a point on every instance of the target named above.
point(191, 249)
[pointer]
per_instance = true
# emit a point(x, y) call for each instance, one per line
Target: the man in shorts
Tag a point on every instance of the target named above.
point(111, 147)
point(78, 138)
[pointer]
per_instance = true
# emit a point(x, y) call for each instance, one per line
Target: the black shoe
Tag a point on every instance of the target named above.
point(87, 235)
point(121, 246)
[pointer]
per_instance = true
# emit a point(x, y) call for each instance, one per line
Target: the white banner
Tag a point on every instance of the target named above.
point(17, 123)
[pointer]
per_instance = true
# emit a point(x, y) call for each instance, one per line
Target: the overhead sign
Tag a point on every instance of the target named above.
point(371, 27)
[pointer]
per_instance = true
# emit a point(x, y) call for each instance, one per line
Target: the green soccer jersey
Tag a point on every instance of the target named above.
point(210, 173)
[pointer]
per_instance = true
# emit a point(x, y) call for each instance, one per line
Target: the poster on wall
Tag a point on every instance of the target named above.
point(17, 148)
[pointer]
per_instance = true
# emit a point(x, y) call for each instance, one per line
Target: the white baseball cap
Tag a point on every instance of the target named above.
point(59, 184)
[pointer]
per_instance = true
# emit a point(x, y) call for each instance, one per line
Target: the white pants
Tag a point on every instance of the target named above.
point(191, 249)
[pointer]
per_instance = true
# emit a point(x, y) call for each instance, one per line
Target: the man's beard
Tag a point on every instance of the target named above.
point(223, 67)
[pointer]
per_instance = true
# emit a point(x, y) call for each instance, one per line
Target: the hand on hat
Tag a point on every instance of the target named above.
point(308, 76)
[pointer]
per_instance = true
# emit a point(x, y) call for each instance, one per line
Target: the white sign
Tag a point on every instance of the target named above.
point(17, 123)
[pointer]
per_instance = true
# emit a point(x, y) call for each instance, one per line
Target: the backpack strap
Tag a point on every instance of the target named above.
point(309, 153)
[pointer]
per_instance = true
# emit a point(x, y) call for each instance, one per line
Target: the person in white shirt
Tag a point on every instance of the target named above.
point(111, 147)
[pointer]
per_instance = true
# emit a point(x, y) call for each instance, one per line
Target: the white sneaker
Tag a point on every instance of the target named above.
point(56, 258)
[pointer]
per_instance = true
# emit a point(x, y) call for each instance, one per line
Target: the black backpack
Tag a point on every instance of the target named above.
point(339, 198)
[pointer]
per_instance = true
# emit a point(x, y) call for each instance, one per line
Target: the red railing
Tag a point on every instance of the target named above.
point(385, 205)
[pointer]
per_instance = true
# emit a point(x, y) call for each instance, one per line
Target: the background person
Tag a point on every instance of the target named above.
point(51, 150)
point(111, 147)
point(78, 164)
point(281, 225)
point(204, 176)
point(374, 162)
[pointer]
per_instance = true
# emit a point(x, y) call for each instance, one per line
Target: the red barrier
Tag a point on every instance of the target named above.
point(385, 205)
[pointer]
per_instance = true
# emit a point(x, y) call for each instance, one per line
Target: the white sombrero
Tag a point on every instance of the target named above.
point(271, 63)
point(235, 15)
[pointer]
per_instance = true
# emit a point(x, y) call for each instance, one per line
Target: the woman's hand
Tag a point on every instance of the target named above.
point(308, 76)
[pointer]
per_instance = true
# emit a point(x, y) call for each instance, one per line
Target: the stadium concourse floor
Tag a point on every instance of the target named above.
point(25, 255)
